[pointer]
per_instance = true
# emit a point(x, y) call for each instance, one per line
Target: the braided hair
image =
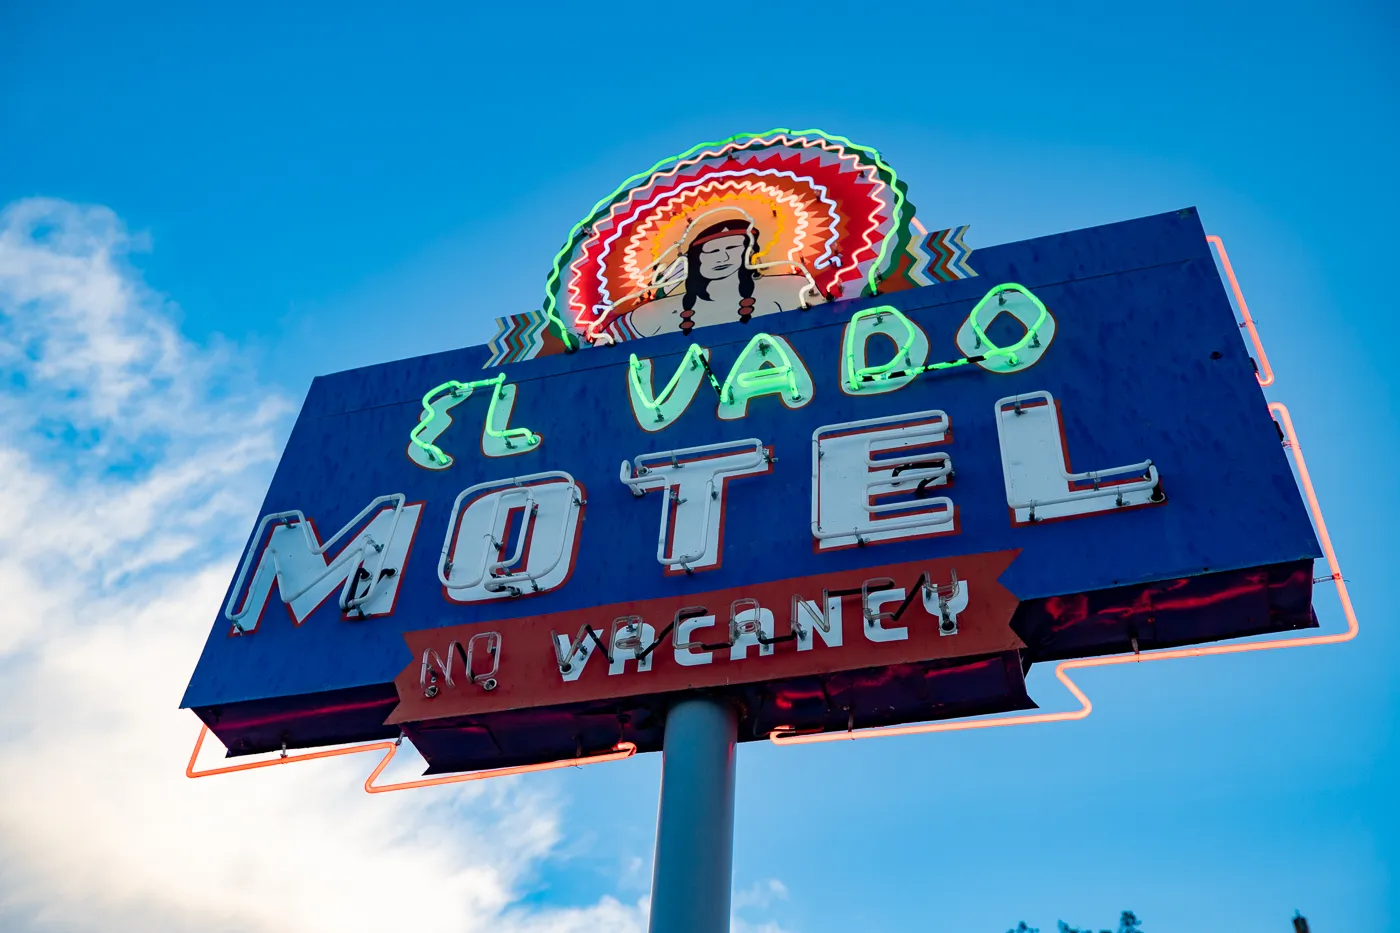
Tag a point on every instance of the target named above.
point(697, 286)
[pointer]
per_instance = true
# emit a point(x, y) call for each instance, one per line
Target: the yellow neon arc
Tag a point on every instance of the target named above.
point(426, 431)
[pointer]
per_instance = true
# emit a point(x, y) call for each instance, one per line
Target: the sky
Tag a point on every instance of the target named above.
point(203, 207)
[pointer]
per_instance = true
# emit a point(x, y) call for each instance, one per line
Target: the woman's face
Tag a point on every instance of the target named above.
point(722, 256)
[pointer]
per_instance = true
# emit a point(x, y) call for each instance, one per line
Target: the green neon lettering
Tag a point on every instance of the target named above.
point(855, 375)
point(781, 376)
point(694, 356)
point(1029, 338)
point(440, 399)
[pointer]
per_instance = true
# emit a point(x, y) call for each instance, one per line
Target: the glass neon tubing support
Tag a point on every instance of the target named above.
point(756, 383)
point(550, 306)
point(434, 452)
point(1266, 372)
point(618, 752)
point(1062, 669)
point(692, 356)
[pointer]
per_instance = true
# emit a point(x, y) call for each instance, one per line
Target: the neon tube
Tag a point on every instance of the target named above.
point(462, 391)
point(878, 215)
point(1266, 372)
point(526, 485)
point(618, 752)
point(740, 182)
point(297, 517)
point(634, 366)
point(657, 271)
point(551, 305)
point(778, 737)
point(1026, 339)
point(762, 381)
point(855, 375)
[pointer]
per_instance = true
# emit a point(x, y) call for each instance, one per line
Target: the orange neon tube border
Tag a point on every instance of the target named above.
point(1266, 378)
point(1062, 669)
point(1266, 372)
point(618, 752)
point(778, 737)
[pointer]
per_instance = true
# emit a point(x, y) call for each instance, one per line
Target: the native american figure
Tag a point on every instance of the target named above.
point(738, 228)
point(722, 283)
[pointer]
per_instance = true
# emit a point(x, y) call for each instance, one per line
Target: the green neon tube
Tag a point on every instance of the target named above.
point(634, 365)
point(461, 391)
point(1026, 339)
point(854, 375)
point(763, 380)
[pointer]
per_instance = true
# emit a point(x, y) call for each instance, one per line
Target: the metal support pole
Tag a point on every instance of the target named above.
point(691, 879)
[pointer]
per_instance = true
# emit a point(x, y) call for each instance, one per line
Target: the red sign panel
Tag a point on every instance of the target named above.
point(867, 618)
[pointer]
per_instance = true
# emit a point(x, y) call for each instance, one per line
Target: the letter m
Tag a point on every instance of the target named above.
point(287, 552)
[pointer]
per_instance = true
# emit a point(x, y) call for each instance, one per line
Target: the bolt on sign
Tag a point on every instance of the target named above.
point(772, 438)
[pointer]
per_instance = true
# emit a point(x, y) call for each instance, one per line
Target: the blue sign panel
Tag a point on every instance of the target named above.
point(1065, 454)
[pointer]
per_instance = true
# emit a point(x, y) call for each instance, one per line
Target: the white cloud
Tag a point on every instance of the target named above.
point(128, 456)
point(758, 896)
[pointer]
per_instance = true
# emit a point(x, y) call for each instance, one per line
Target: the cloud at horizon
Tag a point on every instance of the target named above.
point(131, 462)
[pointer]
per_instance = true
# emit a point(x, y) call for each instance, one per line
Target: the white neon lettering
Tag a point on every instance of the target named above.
point(692, 483)
point(514, 536)
point(871, 480)
point(749, 623)
point(367, 569)
point(1035, 466)
point(810, 619)
point(628, 641)
point(572, 655)
point(875, 629)
point(687, 654)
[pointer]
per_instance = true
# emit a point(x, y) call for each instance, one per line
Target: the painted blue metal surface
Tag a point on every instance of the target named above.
point(1147, 362)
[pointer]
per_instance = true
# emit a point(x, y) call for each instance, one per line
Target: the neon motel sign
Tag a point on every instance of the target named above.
point(872, 481)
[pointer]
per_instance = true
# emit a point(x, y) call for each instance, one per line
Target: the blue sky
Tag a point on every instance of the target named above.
point(320, 188)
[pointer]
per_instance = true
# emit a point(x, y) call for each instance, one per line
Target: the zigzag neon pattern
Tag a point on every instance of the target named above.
point(842, 213)
point(823, 180)
point(647, 232)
